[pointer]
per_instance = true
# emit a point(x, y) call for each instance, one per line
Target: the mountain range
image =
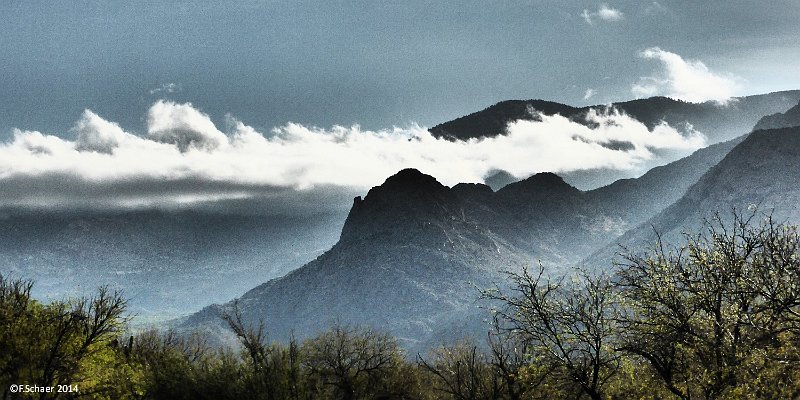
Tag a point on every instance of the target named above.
point(718, 122)
point(413, 254)
point(760, 173)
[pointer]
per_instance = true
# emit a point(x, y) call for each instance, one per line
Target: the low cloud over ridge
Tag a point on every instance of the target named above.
point(185, 158)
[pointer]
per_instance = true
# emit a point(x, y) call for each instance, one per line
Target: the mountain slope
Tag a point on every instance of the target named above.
point(406, 262)
point(636, 200)
point(413, 253)
point(763, 170)
point(780, 120)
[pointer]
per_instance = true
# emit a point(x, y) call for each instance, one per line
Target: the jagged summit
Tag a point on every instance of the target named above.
point(408, 185)
point(400, 204)
point(472, 190)
point(399, 187)
point(411, 179)
point(545, 180)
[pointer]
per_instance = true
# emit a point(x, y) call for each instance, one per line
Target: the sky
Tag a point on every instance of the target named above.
point(376, 64)
point(299, 94)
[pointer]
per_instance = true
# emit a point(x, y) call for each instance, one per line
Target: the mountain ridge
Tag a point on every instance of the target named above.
point(413, 252)
point(718, 122)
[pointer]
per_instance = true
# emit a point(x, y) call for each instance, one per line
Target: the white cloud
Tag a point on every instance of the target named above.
point(183, 126)
point(589, 94)
point(604, 13)
point(184, 157)
point(609, 14)
point(688, 80)
point(647, 87)
point(97, 134)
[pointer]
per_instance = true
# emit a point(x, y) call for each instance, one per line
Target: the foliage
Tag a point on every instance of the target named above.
point(63, 343)
point(713, 314)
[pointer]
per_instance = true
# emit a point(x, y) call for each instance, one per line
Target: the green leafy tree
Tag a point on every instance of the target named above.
point(63, 343)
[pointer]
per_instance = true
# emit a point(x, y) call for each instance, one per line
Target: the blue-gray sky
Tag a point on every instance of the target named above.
point(377, 64)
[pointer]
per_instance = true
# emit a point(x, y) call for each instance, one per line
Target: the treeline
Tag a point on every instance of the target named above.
point(716, 318)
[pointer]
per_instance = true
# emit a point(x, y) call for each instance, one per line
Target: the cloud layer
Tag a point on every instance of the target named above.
point(688, 80)
point(185, 158)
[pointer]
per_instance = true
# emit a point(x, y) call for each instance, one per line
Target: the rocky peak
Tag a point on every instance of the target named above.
point(405, 200)
point(543, 182)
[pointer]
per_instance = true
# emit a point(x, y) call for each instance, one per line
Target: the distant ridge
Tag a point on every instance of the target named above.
point(780, 120)
point(493, 120)
point(718, 122)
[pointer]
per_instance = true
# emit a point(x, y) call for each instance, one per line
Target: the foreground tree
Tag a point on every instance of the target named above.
point(570, 327)
point(466, 371)
point(719, 312)
point(274, 370)
point(463, 372)
point(63, 343)
point(356, 363)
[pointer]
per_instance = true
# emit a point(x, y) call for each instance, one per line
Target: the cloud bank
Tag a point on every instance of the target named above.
point(184, 158)
point(688, 80)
